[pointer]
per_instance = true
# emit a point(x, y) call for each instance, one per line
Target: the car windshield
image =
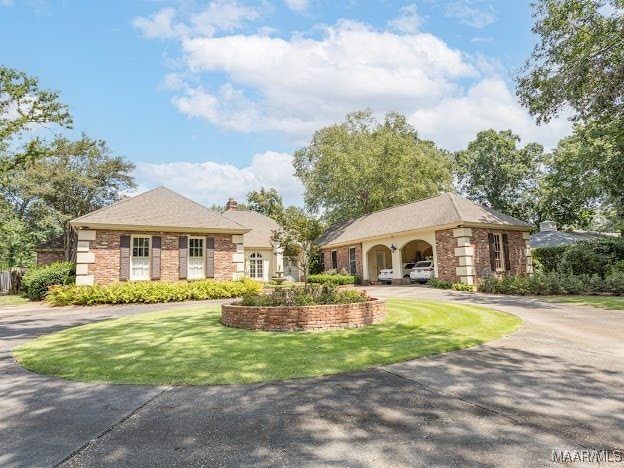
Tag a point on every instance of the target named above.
point(422, 264)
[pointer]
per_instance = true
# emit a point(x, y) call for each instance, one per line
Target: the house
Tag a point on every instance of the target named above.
point(263, 259)
point(157, 235)
point(50, 251)
point(466, 241)
point(549, 236)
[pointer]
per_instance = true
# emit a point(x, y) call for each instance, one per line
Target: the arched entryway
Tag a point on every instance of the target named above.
point(379, 257)
point(415, 251)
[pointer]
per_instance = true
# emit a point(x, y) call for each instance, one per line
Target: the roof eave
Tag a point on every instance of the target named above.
point(77, 225)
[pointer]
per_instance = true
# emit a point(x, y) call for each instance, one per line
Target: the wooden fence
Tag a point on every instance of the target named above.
point(11, 280)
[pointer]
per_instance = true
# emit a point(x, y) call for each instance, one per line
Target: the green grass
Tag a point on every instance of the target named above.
point(605, 302)
point(12, 300)
point(191, 347)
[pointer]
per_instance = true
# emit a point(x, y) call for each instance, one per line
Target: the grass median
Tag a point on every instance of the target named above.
point(191, 347)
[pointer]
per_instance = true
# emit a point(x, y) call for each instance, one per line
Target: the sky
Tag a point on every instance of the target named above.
point(212, 98)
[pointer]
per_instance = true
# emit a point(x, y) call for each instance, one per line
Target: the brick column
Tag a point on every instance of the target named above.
point(464, 252)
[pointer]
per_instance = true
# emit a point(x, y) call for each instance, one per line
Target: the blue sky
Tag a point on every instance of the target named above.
point(211, 98)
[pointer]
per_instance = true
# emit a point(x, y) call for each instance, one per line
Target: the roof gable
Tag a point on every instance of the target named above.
point(440, 210)
point(261, 226)
point(159, 208)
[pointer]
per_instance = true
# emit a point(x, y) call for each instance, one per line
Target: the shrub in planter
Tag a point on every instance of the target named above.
point(327, 293)
point(36, 281)
point(335, 278)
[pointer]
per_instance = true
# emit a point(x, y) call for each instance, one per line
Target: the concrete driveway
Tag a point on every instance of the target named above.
point(556, 384)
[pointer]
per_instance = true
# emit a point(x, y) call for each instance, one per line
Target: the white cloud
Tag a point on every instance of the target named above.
point(212, 182)
point(408, 21)
point(218, 16)
point(297, 5)
point(471, 13)
point(160, 25)
point(6, 3)
point(295, 85)
point(455, 121)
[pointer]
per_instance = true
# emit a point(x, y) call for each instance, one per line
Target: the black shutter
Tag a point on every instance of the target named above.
point(210, 249)
point(183, 246)
point(124, 258)
point(506, 250)
point(156, 243)
point(492, 252)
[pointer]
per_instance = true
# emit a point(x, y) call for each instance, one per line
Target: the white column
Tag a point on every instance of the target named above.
point(464, 252)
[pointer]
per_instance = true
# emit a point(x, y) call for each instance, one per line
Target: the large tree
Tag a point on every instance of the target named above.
point(578, 65)
point(268, 202)
point(362, 165)
point(578, 61)
point(23, 105)
point(495, 172)
point(72, 179)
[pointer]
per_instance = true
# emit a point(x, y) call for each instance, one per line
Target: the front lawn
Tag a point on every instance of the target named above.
point(191, 347)
point(605, 302)
point(12, 300)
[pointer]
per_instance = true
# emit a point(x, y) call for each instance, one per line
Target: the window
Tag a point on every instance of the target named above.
point(256, 268)
point(352, 264)
point(498, 253)
point(196, 262)
point(322, 260)
point(140, 259)
point(334, 259)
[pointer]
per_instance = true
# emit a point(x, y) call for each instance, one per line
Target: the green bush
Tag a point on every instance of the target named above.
point(462, 287)
point(36, 281)
point(592, 257)
point(553, 284)
point(315, 294)
point(548, 258)
point(151, 292)
point(335, 278)
point(440, 284)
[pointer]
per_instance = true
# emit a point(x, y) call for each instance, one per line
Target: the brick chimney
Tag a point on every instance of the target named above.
point(231, 204)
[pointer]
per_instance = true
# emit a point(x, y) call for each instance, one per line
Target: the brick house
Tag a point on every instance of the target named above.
point(263, 259)
point(51, 251)
point(466, 241)
point(157, 235)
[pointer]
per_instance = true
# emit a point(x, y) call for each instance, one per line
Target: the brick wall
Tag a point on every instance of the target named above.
point(45, 257)
point(320, 317)
point(342, 254)
point(446, 260)
point(105, 270)
point(481, 245)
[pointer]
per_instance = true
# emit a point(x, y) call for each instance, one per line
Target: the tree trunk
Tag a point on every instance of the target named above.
point(71, 242)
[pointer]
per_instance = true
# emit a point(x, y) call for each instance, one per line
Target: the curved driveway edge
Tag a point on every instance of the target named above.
point(556, 384)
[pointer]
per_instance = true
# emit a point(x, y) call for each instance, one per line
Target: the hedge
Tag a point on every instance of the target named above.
point(151, 292)
point(337, 279)
point(592, 257)
point(548, 258)
point(36, 281)
point(554, 284)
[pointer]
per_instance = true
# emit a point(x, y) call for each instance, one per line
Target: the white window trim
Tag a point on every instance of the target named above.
point(188, 258)
point(354, 260)
point(257, 257)
point(331, 259)
point(500, 267)
point(149, 258)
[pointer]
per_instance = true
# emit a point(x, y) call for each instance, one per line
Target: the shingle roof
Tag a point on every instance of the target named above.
point(160, 208)
point(561, 238)
point(444, 209)
point(261, 226)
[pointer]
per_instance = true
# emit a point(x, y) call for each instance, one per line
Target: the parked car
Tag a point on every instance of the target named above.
point(422, 271)
point(385, 276)
point(407, 269)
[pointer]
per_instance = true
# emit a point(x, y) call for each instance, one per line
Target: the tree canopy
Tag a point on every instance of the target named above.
point(362, 165)
point(494, 172)
point(268, 202)
point(578, 61)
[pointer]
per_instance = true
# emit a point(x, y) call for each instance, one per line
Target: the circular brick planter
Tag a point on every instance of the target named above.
point(298, 318)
